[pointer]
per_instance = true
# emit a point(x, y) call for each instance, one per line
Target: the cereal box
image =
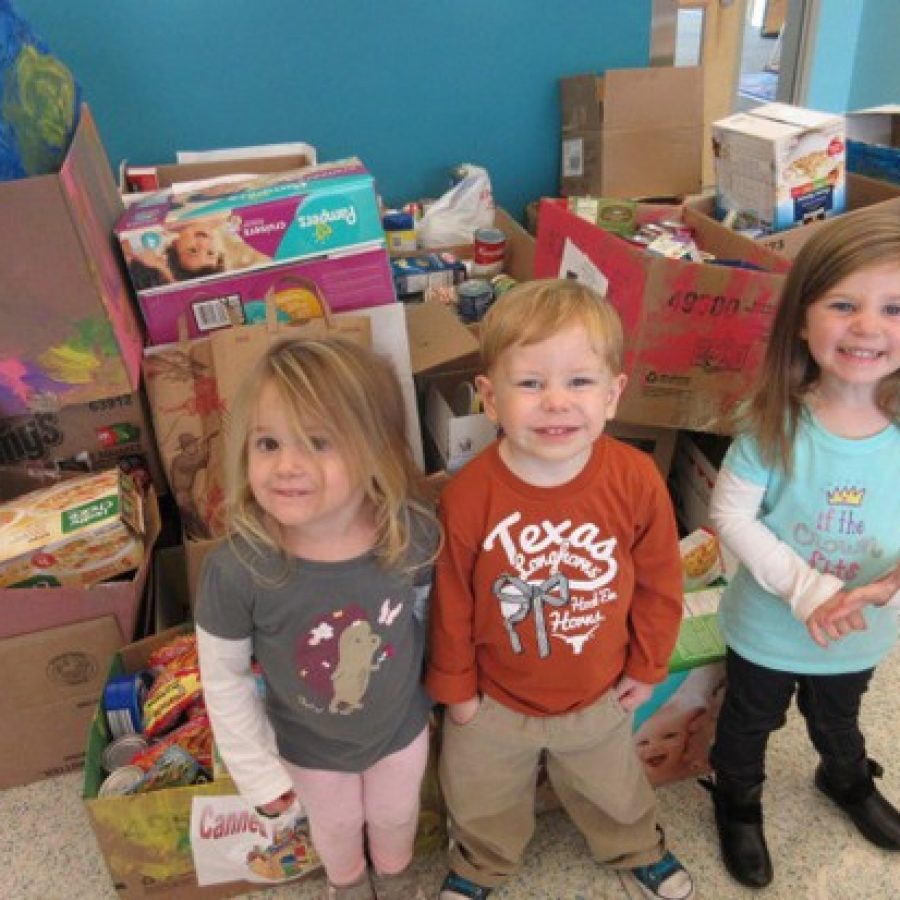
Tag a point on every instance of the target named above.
point(77, 532)
point(778, 166)
point(205, 233)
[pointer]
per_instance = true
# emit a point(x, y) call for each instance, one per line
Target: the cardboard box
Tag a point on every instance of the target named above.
point(144, 838)
point(862, 193)
point(24, 610)
point(459, 431)
point(873, 142)
point(99, 434)
point(52, 681)
point(345, 282)
point(304, 213)
point(695, 333)
point(694, 470)
point(778, 166)
point(79, 532)
point(632, 132)
point(165, 175)
point(70, 331)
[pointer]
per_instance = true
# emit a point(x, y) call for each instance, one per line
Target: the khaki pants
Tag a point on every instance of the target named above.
point(488, 770)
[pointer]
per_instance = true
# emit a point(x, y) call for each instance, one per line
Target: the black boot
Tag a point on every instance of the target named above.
point(853, 789)
point(738, 810)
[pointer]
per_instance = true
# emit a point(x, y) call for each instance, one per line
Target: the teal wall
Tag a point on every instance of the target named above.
point(877, 72)
point(413, 87)
point(834, 54)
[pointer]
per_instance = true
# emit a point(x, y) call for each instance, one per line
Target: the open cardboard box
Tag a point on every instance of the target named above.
point(873, 142)
point(52, 680)
point(695, 333)
point(34, 609)
point(862, 193)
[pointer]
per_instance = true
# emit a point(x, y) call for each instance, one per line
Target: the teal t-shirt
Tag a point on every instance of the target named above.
point(839, 512)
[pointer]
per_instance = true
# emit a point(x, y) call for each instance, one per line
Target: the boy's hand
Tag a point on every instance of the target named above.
point(463, 713)
point(277, 806)
point(843, 612)
point(631, 694)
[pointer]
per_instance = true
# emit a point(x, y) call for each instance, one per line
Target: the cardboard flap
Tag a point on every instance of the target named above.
point(437, 339)
point(654, 98)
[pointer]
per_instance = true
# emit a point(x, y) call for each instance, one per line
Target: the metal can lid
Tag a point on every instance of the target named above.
point(121, 781)
point(474, 287)
point(490, 236)
point(398, 221)
point(121, 751)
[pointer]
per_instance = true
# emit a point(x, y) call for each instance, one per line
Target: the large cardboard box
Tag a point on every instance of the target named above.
point(695, 467)
point(695, 333)
point(862, 193)
point(70, 332)
point(632, 132)
point(144, 838)
point(779, 165)
point(24, 610)
point(52, 680)
point(99, 434)
point(873, 142)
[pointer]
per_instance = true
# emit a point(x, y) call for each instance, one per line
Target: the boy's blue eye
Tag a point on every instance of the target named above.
point(583, 381)
point(530, 384)
point(892, 309)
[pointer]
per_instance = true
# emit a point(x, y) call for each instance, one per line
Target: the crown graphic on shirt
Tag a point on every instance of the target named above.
point(846, 496)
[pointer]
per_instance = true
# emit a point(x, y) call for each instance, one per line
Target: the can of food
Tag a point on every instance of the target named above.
point(122, 781)
point(501, 284)
point(473, 299)
point(487, 252)
point(122, 750)
point(123, 702)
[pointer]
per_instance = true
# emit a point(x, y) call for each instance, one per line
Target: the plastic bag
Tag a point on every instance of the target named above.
point(455, 216)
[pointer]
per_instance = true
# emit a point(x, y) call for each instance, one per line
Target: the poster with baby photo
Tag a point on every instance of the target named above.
point(230, 841)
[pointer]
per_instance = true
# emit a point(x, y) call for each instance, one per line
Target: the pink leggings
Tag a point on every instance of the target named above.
point(382, 802)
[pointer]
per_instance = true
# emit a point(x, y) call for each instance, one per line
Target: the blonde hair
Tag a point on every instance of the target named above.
point(354, 396)
point(536, 310)
point(837, 250)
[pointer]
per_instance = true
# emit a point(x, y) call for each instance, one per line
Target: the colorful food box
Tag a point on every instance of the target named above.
point(778, 166)
point(172, 237)
point(78, 532)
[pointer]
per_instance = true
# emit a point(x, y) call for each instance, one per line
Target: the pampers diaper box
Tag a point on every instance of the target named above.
point(203, 232)
point(778, 166)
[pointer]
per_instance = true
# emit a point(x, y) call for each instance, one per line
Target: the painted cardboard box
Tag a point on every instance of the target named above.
point(873, 142)
point(779, 165)
point(298, 289)
point(695, 332)
point(315, 211)
point(71, 333)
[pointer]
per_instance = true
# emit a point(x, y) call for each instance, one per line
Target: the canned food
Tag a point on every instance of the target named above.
point(123, 702)
point(488, 252)
point(473, 299)
point(122, 781)
point(400, 232)
point(122, 750)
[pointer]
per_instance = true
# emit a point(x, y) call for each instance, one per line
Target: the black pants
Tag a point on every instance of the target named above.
point(756, 703)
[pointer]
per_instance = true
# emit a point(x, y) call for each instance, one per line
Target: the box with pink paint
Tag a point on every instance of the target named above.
point(297, 290)
point(70, 331)
point(695, 332)
point(201, 233)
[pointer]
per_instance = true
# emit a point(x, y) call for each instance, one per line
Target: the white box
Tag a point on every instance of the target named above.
point(779, 165)
point(694, 471)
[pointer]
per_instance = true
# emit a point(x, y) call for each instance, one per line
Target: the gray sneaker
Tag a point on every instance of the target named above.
point(359, 890)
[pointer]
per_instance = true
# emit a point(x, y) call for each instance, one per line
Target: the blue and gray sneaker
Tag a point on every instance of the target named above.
point(455, 887)
point(665, 880)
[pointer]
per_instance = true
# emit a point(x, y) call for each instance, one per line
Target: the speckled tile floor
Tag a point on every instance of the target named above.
point(48, 851)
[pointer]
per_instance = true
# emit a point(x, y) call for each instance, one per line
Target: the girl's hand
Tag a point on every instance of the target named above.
point(278, 806)
point(631, 694)
point(842, 614)
point(463, 713)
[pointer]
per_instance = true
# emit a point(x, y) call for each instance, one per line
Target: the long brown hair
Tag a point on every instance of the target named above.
point(838, 249)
